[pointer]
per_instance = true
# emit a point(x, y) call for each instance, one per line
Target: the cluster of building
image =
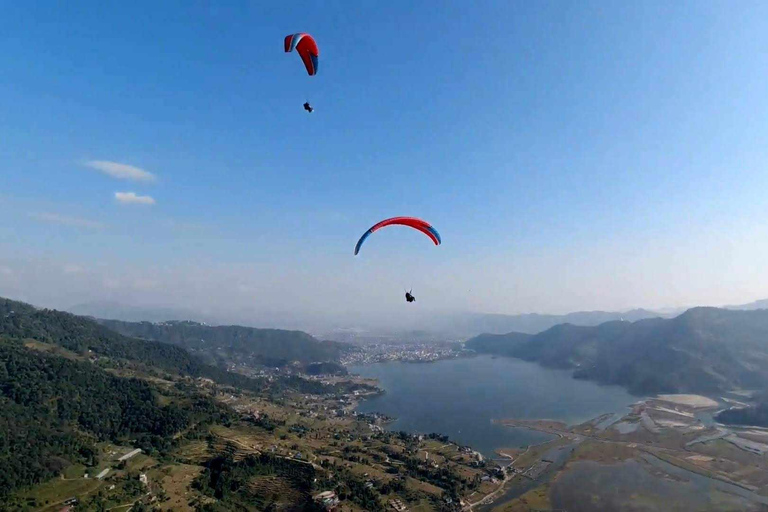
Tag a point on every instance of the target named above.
point(327, 499)
point(69, 504)
point(475, 454)
point(414, 352)
point(397, 505)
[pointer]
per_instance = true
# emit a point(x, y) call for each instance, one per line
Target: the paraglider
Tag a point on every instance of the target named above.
point(409, 297)
point(411, 222)
point(306, 46)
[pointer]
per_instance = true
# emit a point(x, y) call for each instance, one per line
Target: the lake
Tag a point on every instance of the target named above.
point(460, 397)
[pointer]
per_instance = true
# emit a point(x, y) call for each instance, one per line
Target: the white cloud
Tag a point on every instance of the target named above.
point(64, 220)
point(132, 198)
point(6, 271)
point(73, 269)
point(121, 171)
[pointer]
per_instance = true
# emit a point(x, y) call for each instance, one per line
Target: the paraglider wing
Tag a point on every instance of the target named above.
point(306, 47)
point(411, 222)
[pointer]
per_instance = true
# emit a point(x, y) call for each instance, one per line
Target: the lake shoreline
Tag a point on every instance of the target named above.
point(498, 408)
point(461, 398)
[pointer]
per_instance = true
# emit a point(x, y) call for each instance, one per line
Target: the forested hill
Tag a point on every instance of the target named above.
point(54, 409)
point(81, 335)
point(704, 350)
point(499, 344)
point(532, 323)
point(61, 391)
point(261, 346)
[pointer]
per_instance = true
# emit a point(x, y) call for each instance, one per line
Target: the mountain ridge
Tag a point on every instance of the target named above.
point(272, 347)
point(703, 350)
point(460, 323)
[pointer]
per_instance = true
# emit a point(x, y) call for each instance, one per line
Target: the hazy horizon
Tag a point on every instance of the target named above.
point(596, 157)
point(392, 321)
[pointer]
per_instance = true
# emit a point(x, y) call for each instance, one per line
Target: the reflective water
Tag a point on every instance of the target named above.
point(460, 397)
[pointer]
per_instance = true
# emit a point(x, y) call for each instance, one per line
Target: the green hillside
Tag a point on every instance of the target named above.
point(274, 347)
point(53, 410)
point(704, 350)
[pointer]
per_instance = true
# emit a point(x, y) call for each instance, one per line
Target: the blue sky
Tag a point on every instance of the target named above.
point(573, 155)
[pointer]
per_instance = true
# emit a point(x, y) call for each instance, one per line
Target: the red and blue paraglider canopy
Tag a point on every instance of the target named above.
point(411, 222)
point(306, 47)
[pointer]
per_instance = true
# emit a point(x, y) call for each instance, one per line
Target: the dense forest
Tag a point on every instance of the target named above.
point(80, 335)
point(272, 347)
point(318, 388)
point(53, 409)
point(85, 336)
point(230, 482)
point(35, 447)
point(704, 350)
point(234, 485)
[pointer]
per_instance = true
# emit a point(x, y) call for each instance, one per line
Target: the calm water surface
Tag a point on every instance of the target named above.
point(460, 397)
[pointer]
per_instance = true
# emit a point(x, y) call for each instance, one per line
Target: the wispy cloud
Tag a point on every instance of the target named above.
point(120, 171)
point(132, 198)
point(65, 220)
point(73, 269)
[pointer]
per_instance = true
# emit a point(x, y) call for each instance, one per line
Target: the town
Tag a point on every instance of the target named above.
point(411, 352)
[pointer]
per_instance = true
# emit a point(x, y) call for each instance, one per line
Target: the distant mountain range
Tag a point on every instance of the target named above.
point(459, 325)
point(532, 323)
point(758, 304)
point(704, 350)
point(221, 344)
point(471, 324)
point(127, 313)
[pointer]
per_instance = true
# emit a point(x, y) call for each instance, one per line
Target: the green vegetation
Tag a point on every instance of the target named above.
point(318, 388)
point(74, 396)
point(704, 350)
point(230, 482)
point(352, 487)
point(499, 344)
point(52, 409)
point(325, 369)
point(532, 323)
point(84, 336)
point(33, 448)
point(81, 335)
point(271, 347)
point(127, 490)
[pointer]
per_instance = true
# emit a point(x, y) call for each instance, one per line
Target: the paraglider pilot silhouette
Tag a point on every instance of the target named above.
point(306, 46)
point(409, 297)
